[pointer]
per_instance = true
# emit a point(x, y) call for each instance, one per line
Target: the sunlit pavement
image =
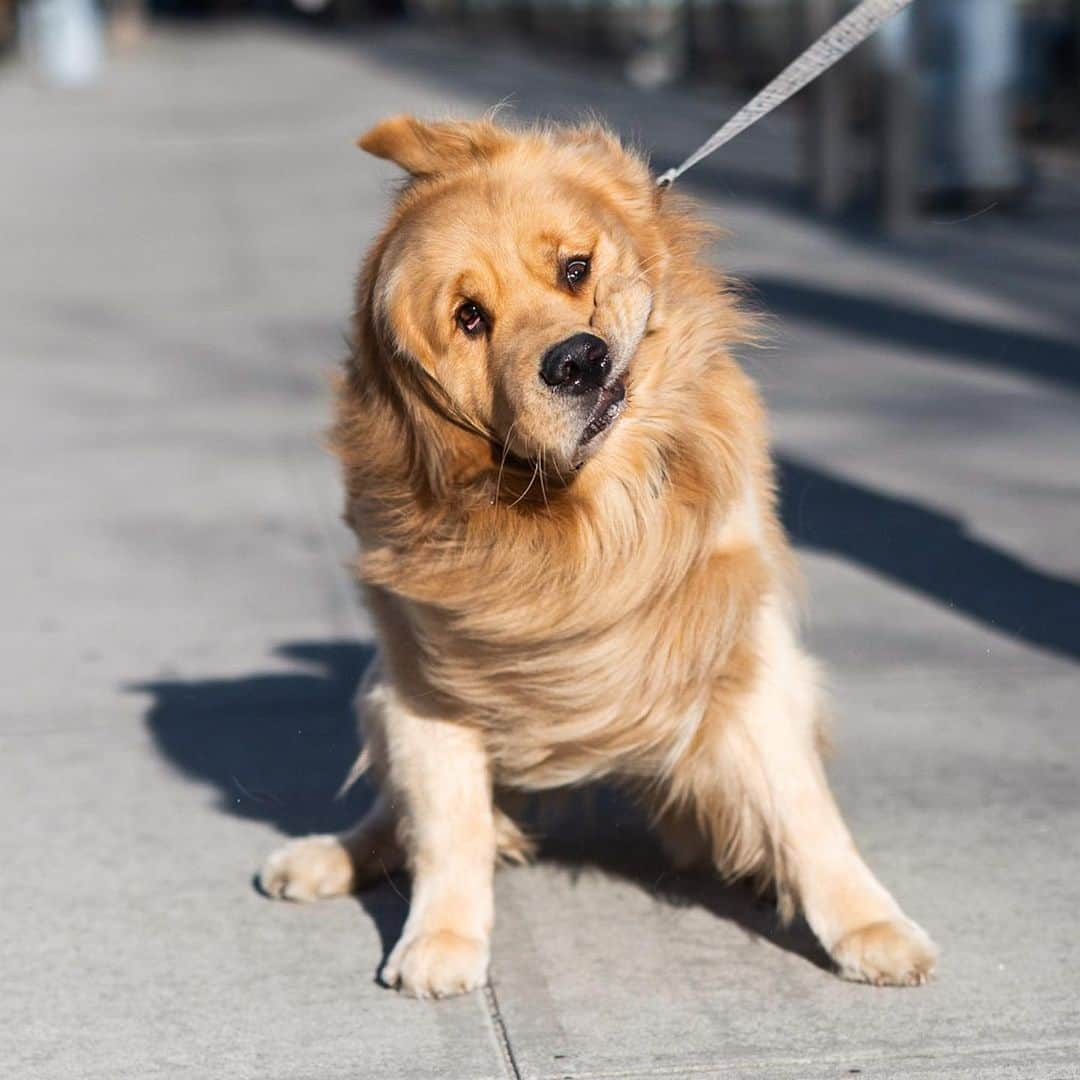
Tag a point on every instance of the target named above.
point(180, 638)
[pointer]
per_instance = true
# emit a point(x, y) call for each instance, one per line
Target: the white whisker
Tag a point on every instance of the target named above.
point(540, 468)
point(558, 471)
point(527, 489)
point(502, 462)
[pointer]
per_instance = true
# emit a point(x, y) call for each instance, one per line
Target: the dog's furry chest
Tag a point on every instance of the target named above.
point(559, 705)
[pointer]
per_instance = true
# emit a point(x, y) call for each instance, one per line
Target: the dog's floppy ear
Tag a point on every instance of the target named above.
point(433, 149)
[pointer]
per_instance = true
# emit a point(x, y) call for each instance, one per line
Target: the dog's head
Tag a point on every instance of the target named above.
point(518, 277)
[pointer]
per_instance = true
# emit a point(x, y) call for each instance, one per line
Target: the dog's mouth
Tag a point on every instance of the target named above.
point(607, 410)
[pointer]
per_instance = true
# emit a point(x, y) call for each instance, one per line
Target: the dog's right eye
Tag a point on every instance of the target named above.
point(576, 271)
point(470, 318)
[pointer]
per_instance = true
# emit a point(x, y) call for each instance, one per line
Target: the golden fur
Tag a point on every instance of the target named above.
point(551, 611)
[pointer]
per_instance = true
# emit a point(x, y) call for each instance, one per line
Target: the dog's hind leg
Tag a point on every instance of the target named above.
point(761, 789)
point(684, 842)
point(321, 867)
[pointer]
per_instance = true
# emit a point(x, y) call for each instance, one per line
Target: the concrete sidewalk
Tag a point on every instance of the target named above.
point(180, 640)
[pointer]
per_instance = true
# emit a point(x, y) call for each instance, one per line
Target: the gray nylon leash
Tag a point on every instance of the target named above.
point(832, 46)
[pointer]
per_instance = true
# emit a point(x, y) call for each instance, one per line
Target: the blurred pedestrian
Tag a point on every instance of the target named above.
point(971, 52)
point(7, 24)
point(64, 38)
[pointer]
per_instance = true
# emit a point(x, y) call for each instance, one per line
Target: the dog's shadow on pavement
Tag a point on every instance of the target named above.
point(276, 746)
point(598, 830)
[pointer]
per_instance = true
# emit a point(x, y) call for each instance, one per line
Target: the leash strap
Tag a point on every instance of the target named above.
point(833, 45)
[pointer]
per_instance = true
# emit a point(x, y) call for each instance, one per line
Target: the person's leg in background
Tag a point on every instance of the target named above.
point(971, 54)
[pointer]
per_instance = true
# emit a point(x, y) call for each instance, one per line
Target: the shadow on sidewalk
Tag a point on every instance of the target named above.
point(598, 830)
point(275, 747)
point(930, 553)
point(989, 346)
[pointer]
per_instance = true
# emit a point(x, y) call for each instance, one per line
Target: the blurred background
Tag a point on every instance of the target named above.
point(182, 212)
point(952, 104)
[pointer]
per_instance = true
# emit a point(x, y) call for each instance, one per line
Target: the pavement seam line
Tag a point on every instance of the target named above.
point(502, 1036)
point(933, 1059)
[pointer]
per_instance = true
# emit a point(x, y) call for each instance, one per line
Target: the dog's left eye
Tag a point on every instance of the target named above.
point(470, 318)
point(577, 270)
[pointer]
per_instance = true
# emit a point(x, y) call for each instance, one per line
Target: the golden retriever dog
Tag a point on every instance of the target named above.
point(561, 486)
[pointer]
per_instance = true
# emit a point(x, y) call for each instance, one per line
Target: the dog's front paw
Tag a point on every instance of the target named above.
point(437, 965)
point(312, 868)
point(895, 952)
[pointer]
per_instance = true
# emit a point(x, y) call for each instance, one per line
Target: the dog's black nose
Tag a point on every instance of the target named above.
point(576, 365)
